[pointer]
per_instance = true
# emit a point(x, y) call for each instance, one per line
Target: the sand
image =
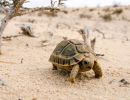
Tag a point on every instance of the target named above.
point(26, 74)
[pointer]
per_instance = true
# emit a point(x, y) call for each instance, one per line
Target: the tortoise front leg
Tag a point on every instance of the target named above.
point(73, 73)
point(97, 70)
point(54, 67)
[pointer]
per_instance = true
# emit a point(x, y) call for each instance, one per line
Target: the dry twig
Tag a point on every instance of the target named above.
point(8, 38)
point(85, 35)
point(61, 2)
point(11, 10)
point(27, 30)
point(103, 34)
point(93, 41)
point(7, 62)
point(62, 26)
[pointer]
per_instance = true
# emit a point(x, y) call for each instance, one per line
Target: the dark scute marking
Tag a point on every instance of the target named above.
point(60, 47)
point(69, 51)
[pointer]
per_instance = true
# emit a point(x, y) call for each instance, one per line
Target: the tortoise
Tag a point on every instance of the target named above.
point(76, 57)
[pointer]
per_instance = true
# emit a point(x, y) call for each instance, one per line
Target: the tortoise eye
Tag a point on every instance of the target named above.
point(85, 62)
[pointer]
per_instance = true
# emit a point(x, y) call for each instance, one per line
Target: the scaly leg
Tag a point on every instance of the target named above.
point(54, 67)
point(73, 73)
point(97, 70)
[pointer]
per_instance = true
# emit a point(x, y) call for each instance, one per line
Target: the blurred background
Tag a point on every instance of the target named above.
point(78, 3)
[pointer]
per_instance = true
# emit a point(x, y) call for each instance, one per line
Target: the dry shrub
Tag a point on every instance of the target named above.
point(117, 11)
point(107, 17)
point(127, 7)
point(126, 19)
point(31, 20)
point(64, 11)
point(50, 12)
point(91, 9)
point(85, 16)
point(63, 26)
point(106, 9)
point(99, 13)
point(116, 5)
point(40, 14)
point(75, 10)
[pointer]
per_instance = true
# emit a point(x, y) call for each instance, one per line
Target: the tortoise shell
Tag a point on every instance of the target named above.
point(69, 52)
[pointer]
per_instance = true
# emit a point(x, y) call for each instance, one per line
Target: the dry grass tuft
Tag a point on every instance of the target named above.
point(116, 5)
point(106, 17)
point(65, 11)
point(50, 12)
point(31, 20)
point(91, 9)
point(117, 11)
point(85, 16)
point(106, 9)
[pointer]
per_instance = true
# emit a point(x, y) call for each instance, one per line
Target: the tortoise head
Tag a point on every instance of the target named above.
point(85, 64)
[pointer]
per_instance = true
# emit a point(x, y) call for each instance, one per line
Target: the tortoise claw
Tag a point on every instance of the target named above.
point(98, 76)
point(72, 80)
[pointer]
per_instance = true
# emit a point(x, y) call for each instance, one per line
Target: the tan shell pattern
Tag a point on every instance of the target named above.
point(69, 52)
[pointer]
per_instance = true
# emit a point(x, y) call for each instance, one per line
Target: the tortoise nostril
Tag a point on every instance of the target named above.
point(89, 67)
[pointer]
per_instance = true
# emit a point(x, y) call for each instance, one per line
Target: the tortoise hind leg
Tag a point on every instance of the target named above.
point(73, 73)
point(54, 67)
point(97, 70)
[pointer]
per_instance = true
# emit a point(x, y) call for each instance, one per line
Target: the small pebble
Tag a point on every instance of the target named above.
point(2, 83)
point(124, 82)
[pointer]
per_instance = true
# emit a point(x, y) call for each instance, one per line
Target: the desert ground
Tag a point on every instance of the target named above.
point(26, 73)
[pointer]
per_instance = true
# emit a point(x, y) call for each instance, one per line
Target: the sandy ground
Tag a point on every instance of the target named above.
point(25, 73)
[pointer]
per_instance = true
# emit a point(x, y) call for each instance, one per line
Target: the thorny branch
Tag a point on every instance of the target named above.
point(53, 3)
point(86, 38)
point(27, 30)
point(61, 2)
point(103, 34)
point(12, 9)
point(4, 3)
point(57, 2)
